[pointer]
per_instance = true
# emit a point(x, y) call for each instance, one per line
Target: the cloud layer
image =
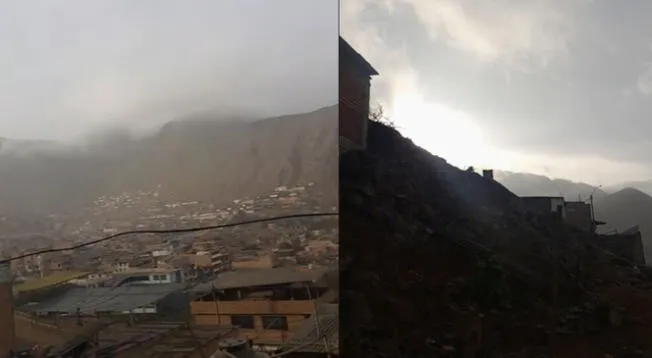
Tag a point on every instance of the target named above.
point(69, 67)
point(542, 77)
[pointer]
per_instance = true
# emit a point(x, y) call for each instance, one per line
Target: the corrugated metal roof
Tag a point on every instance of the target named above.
point(260, 277)
point(49, 281)
point(306, 335)
point(103, 299)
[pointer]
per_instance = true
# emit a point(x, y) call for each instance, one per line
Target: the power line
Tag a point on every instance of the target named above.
point(169, 231)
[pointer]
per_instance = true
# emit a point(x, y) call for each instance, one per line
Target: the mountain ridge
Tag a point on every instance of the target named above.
point(205, 160)
point(527, 184)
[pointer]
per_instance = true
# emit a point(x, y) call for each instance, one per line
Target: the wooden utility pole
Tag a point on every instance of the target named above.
point(217, 304)
point(554, 295)
point(317, 323)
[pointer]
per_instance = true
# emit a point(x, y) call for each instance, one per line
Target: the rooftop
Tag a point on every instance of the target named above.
point(348, 54)
point(49, 281)
point(147, 270)
point(102, 299)
point(260, 277)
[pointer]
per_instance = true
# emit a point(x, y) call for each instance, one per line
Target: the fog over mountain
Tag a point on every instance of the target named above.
point(77, 67)
point(526, 184)
point(534, 184)
point(105, 97)
point(188, 159)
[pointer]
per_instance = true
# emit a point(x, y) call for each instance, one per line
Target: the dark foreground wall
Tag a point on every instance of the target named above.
point(629, 246)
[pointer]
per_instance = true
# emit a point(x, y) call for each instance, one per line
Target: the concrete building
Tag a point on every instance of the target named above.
point(355, 86)
point(579, 215)
point(545, 205)
point(148, 276)
point(121, 266)
point(264, 261)
point(90, 302)
point(267, 305)
point(212, 260)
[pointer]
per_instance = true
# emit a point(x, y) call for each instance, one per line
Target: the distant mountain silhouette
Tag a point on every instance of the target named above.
point(208, 160)
point(643, 185)
point(525, 184)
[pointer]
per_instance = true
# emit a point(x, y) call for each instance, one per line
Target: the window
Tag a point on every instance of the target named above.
point(243, 321)
point(275, 322)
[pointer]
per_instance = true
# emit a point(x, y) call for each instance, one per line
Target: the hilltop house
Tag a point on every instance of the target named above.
point(580, 216)
point(545, 205)
point(355, 83)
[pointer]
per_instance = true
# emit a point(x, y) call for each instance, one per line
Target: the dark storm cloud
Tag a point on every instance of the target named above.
point(547, 77)
point(67, 67)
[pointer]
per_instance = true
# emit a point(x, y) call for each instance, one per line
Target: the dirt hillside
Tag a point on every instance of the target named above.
point(442, 262)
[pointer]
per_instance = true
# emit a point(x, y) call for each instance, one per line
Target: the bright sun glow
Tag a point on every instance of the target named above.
point(444, 132)
point(455, 136)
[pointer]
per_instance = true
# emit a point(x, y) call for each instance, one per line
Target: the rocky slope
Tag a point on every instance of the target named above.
point(185, 160)
point(441, 262)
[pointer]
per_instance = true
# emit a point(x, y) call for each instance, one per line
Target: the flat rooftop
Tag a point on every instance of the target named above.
point(259, 277)
point(49, 281)
point(102, 299)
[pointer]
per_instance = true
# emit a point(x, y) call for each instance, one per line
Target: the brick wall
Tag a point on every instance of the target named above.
point(353, 106)
point(296, 312)
point(7, 325)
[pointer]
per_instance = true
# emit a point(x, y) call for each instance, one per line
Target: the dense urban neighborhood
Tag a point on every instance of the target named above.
point(266, 283)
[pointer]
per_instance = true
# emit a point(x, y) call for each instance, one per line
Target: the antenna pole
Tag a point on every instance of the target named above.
point(593, 226)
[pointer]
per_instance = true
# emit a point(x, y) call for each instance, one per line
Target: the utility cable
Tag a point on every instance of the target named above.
point(169, 231)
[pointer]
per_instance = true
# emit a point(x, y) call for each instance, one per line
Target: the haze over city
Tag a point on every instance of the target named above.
point(74, 67)
point(158, 155)
point(559, 88)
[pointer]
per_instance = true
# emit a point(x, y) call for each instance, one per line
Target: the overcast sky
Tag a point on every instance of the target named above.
point(68, 67)
point(561, 88)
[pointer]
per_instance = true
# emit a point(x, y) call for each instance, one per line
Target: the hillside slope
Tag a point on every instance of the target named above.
point(185, 160)
point(441, 262)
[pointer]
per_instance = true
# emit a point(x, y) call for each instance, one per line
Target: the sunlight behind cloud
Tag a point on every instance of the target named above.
point(444, 90)
point(444, 132)
point(456, 137)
